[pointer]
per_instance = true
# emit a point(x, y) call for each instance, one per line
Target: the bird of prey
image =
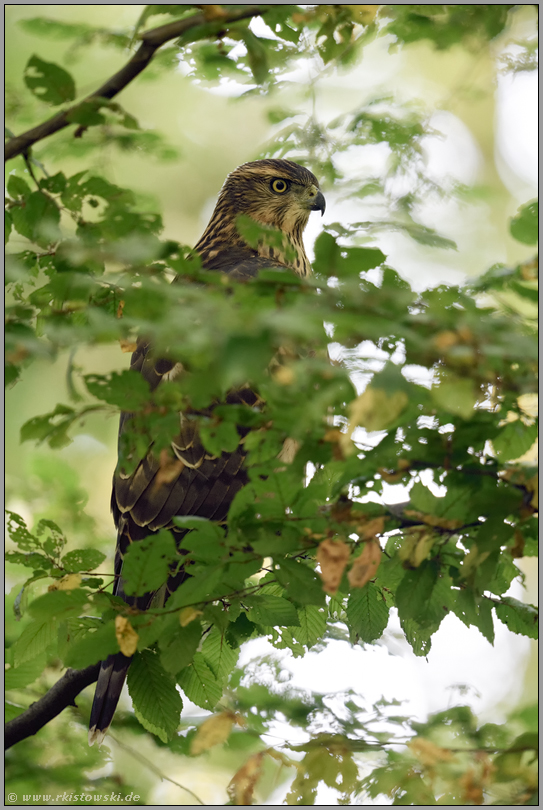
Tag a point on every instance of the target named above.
point(278, 193)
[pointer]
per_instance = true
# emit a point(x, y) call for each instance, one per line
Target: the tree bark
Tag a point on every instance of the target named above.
point(58, 698)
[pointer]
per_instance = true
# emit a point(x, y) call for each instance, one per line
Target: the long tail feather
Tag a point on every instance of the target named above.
point(108, 691)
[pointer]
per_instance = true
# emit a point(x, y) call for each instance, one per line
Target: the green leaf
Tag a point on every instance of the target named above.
point(82, 559)
point(524, 226)
point(177, 650)
point(514, 439)
point(94, 646)
point(255, 234)
point(333, 260)
point(38, 219)
point(415, 590)
point(367, 612)
point(519, 618)
point(312, 621)
point(18, 531)
point(219, 655)
point(59, 604)
point(419, 637)
point(455, 394)
point(54, 541)
point(34, 640)
point(200, 684)
point(262, 445)
point(301, 583)
point(55, 184)
point(271, 610)
point(17, 187)
point(48, 81)
point(52, 427)
point(157, 703)
point(146, 563)
point(25, 674)
point(88, 113)
point(219, 438)
point(125, 389)
point(256, 55)
point(206, 541)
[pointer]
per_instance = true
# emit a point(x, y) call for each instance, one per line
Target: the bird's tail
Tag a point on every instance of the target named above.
point(108, 691)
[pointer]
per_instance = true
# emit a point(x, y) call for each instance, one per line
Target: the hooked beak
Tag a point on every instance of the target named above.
point(316, 200)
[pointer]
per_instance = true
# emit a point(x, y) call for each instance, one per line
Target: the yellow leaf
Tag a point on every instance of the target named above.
point(532, 485)
point(433, 520)
point(416, 546)
point(213, 731)
point(332, 556)
point(444, 340)
point(373, 410)
point(365, 567)
point(187, 615)
point(243, 783)
point(127, 638)
point(67, 583)
point(363, 14)
point(473, 559)
point(284, 375)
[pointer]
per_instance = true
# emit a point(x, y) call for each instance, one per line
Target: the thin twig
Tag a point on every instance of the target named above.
point(151, 41)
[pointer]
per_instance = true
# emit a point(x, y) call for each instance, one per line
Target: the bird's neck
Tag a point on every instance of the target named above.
point(222, 236)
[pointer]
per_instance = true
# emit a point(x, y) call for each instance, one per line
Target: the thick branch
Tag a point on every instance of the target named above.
point(151, 41)
point(58, 698)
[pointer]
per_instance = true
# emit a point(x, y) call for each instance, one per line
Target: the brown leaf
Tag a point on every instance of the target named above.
point(471, 787)
point(365, 567)
point(170, 468)
point(212, 12)
point(518, 549)
point(120, 309)
point(371, 528)
point(213, 731)
point(128, 345)
point(127, 638)
point(332, 556)
point(244, 781)
point(428, 752)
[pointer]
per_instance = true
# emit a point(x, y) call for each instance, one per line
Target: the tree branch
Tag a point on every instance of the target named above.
point(151, 41)
point(58, 698)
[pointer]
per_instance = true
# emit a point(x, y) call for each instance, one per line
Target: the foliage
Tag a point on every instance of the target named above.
point(310, 549)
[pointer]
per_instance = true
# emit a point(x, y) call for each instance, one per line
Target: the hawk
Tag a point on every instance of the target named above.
point(277, 193)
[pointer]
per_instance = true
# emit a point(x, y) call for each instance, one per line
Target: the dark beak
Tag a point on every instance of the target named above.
point(319, 203)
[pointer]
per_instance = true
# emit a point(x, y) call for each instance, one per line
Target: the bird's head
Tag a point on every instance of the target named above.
point(279, 193)
point(276, 193)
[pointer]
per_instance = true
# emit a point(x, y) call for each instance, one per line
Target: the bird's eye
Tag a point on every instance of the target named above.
point(279, 186)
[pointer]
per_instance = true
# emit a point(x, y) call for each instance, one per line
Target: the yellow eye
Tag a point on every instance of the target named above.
point(279, 186)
